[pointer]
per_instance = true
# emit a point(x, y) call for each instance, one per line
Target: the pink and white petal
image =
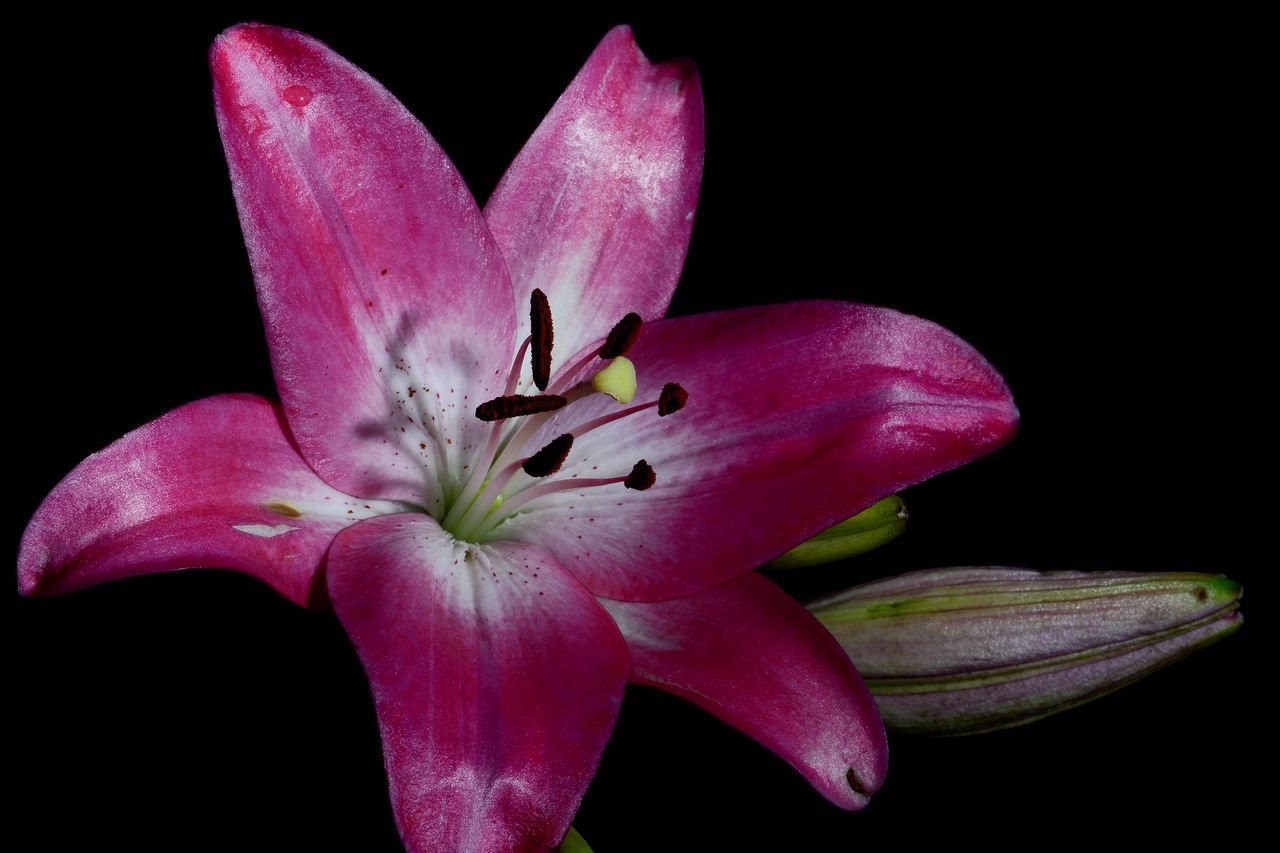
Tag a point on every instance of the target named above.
point(597, 208)
point(752, 656)
point(386, 302)
point(497, 679)
point(798, 417)
point(216, 483)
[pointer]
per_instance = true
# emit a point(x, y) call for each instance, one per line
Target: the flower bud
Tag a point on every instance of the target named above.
point(573, 843)
point(866, 531)
point(968, 650)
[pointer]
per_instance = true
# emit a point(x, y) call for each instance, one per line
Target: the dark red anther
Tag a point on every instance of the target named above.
point(672, 399)
point(518, 405)
point(548, 460)
point(542, 334)
point(622, 337)
point(641, 477)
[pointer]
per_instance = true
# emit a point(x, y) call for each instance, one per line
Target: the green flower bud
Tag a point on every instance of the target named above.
point(968, 650)
point(573, 843)
point(874, 526)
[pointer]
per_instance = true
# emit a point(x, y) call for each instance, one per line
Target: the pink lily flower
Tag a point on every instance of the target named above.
point(501, 582)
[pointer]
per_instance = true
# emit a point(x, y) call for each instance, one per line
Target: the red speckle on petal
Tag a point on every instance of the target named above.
point(299, 96)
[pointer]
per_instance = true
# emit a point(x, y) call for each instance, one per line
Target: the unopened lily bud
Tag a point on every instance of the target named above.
point(573, 843)
point(962, 651)
point(866, 531)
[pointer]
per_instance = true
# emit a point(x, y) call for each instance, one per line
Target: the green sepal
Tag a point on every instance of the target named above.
point(573, 843)
point(874, 526)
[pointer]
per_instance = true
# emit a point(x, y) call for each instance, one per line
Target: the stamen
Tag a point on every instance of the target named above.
point(641, 477)
point(518, 405)
point(541, 332)
point(622, 337)
point(475, 481)
point(513, 378)
point(675, 397)
point(672, 399)
point(466, 516)
point(548, 460)
point(618, 380)
point(480, 506)
point(565, 377)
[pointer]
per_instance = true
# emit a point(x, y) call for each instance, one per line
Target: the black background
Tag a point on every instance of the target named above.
point(1072, 195)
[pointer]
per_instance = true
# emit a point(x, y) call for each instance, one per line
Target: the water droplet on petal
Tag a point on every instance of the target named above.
point(299, 96)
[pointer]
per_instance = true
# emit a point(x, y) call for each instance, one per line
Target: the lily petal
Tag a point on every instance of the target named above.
point(216, 483)
point(497, 680)
point(799, 416)
point(747, 653)
point(597, 208)
point(387, 305)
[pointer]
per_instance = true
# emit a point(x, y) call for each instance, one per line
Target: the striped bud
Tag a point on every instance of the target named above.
point(968, 650)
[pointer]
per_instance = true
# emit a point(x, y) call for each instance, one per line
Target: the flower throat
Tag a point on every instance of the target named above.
point(512, 475)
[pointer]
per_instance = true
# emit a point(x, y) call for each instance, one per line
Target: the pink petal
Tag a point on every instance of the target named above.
point(597, 208)
point(496, 677)
point(215, 483)
point(798, 417)
point(387, 306)
point(759, 661)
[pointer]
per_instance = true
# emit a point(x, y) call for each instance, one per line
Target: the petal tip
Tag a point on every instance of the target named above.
point(34, 576)
point(867, 767)
point(620, 35)
point(1006, 420)
point(233, 38)
point(683, 73)
point(28, 582)
point(860, 792)
point(250, 35)
point(253, 41)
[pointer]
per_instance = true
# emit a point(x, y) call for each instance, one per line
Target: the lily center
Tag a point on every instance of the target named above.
point(512, 474)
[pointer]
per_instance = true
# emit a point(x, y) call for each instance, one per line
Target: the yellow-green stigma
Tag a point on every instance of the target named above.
point(617, 379)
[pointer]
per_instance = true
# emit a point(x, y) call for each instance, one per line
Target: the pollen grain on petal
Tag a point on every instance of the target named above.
point(282, 508)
